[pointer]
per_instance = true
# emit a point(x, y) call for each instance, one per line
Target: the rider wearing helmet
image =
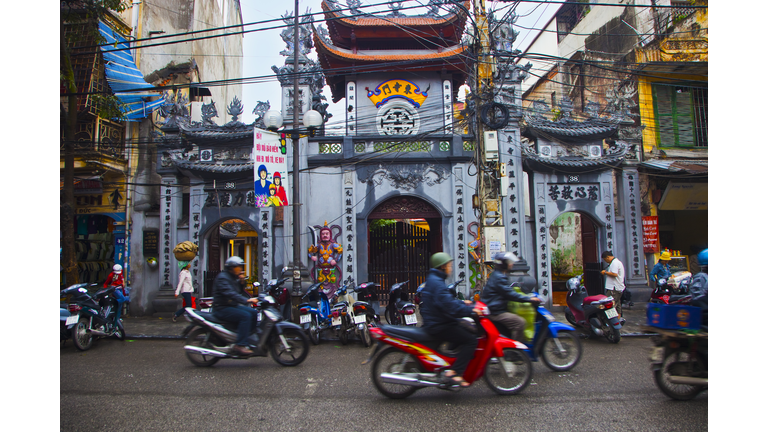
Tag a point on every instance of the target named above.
point(441, 312)
point(115, 279)
point(229, 304)
point(699, 285)
point(498, 291)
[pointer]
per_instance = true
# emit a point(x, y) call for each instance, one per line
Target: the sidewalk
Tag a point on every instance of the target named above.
point(164, 328)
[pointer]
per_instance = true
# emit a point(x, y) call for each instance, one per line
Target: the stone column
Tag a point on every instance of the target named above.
point(170, 201)
point(635, 266)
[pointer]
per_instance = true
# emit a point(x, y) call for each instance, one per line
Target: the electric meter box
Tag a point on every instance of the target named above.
point(495, 241)
point(491, 142)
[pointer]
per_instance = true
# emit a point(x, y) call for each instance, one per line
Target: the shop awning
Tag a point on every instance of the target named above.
point(684, 196)
point(677, 166)
point(124, 77)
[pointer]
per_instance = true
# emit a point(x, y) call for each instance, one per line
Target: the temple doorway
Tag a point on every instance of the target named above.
point(573, 245)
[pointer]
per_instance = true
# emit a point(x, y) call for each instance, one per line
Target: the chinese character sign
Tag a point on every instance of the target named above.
point(271, 167)
point(650, 234)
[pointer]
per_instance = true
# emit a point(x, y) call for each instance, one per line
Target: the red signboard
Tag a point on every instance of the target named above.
point(650, 234)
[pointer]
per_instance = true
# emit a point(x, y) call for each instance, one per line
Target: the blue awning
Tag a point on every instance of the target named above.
point(123, 75)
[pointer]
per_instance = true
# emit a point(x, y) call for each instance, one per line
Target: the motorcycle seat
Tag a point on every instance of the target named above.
point(361, 303)
point(403, 304)
point(593, 298)
point(414, 334)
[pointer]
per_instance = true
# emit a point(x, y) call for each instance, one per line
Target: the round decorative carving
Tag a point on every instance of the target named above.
point(397, 118)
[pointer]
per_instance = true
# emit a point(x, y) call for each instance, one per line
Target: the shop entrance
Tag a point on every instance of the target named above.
point(403, 233)
point(232, 237)
point(99, 244)
point(573, 242)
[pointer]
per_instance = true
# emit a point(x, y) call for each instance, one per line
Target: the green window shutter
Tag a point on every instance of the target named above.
point(684, 107)
point(665, 116)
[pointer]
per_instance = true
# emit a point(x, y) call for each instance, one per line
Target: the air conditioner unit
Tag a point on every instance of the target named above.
point(206, 155)
point(491, 140)
point(595, 151)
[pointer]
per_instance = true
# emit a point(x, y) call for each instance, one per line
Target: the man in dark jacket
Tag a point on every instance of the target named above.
point(440, 313)
point(498, 292)
point(229, 304)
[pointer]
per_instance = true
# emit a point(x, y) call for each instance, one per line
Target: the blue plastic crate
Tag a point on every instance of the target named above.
point(673, 316)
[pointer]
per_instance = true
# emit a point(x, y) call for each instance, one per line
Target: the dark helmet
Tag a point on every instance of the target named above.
point(502, 260)
point(439, 259)
point(234, 261)
point(704, 257)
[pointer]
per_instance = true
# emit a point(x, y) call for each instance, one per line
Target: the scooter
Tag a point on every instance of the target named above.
point(399, 309)
point(209, 339)
point(92, 316)
point(341, 315)
point(679, 362)
point(314, 316)
point(670, 290)
point(364, 316)
point(277, 291)
point(408, 358)
point(596, 313)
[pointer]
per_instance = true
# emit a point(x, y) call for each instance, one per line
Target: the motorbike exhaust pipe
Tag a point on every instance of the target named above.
point(204, 351)
point(407, 380)
point(99, 333)
point(677, 379)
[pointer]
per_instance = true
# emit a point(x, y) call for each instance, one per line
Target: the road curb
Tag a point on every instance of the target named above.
point(130, 336)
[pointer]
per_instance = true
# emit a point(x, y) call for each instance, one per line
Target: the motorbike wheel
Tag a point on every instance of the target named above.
point(199, 338)
point(677, 363)
point(612, 333)
point(296, 350)
point(314, 330)
point(510, 382)
point(120, 333)
point(344, 334)
point(80, 335)
point(366, 336)
point(559, 361)
point(392, 360)
point(569, 316)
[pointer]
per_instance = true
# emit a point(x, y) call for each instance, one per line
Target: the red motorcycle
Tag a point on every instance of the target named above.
point(408, 358)
point(596, 313)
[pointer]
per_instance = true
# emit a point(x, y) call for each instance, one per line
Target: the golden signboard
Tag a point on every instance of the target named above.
point(397, 89)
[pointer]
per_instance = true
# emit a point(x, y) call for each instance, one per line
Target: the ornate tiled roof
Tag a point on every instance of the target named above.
point(325, 48)
point(216, 167)
point(613, 156)
point(565, 128)
point(215, 133)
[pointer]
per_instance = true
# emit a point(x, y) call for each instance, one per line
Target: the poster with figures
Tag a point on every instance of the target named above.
point(271, 166)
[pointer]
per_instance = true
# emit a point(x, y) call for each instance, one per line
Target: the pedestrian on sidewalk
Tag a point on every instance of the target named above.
point(614, 282)
point(184, 287)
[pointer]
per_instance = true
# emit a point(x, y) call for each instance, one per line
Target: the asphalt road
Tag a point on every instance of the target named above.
point(150, 385)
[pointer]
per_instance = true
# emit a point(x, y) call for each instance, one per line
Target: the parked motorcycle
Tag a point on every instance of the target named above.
point(672, 289)
point(557, 344)
point(92, 316)
point(341, 319)
point(209, 339)
point(278, 292)
point(314, 316)
point(408, 358)
point(65, 329)
point(679, 362)
point(399, 308)
point(595, 313)
point(364, 316)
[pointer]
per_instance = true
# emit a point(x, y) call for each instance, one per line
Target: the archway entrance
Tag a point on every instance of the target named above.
point(573, 242)
point(403, 232)
point(232, 237)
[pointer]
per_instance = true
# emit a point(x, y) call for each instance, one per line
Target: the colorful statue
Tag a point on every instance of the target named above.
point(325, 254)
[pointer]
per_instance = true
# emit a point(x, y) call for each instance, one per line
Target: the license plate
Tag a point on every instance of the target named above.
point(305, 319)
point(410, 319)
point(205, 310)
point(611, 313)
point(72, 319)
point(657, 354)
point(359, 319)
point(336, 321)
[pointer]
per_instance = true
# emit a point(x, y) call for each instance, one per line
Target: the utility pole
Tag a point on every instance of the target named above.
point(483, 92)
point(295, 142)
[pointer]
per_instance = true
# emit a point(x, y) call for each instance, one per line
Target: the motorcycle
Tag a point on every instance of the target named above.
point(92, 316)
point(452, 288)
point(595, 313)
point(65, 329)
point(209, 339)
point(557, 344)
point(407, 359)
point(279, 293)
point(672, 289)
point(314, 316)
point(399, 309)
point(679, 362)
point(364, 316)
point(341, 319)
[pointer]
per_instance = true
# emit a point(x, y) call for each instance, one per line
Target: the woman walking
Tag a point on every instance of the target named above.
point(185, 287)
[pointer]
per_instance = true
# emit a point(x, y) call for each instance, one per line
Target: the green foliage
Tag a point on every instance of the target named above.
point(378, 223)
point(559, 264)
point(108, 107)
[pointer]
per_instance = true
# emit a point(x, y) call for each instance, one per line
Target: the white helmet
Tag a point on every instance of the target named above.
point(117, 269)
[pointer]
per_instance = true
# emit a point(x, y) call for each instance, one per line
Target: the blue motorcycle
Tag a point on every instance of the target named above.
point(556, 343)
point(315, 315)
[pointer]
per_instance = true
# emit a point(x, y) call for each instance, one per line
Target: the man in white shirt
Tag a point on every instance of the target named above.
point(614, 281)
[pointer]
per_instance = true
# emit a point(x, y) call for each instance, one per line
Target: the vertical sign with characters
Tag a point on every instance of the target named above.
point(271, 166)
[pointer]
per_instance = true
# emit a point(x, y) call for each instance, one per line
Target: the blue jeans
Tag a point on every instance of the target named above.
point(120, 300)
point(245, 317)
point(187, 296)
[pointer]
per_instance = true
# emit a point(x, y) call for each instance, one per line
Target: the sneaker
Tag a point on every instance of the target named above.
point(241, 350)
point(173, 318)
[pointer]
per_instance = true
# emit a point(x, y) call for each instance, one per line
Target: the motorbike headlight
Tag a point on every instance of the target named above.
point(271, 315)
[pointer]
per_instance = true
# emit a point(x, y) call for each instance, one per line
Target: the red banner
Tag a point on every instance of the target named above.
point(650, 234)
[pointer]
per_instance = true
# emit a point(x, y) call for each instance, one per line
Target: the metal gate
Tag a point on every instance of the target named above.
point(398, 252)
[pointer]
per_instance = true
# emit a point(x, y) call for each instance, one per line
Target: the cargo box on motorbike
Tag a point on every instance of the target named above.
point(673, 317)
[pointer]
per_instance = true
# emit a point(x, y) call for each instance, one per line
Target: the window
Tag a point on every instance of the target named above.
point(569, 15)
point(681, 115)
